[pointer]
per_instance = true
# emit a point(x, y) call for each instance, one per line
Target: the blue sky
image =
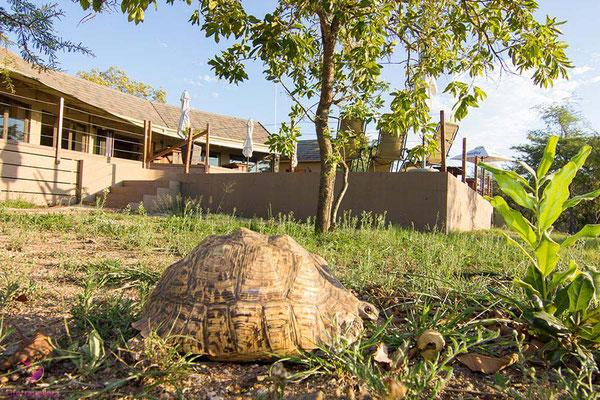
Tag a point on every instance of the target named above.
point(166, 51)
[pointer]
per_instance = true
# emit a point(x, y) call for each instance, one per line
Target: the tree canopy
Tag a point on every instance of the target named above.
point(119, 80)
point(31, 28)
point(329, 56)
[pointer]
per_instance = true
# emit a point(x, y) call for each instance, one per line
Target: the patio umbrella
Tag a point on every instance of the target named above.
point(294, 161)
point(184, 120)
point(247, 151)
point(431, 89)
point(185, 124)
point(485, 154)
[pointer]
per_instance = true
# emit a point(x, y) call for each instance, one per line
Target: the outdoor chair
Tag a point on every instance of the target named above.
point(389, 149)
point(450, 132)
point(435, 160)
point(356, 130)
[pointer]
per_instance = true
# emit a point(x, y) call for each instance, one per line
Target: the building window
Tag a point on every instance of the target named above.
point(104, 144)
point(214, 159)
point(47, 129)
point(14, 119)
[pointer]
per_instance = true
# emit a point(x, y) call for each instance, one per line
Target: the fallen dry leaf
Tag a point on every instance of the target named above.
point(487, 365)
point(22, 298)
point(430, 343)
point(30, 351)
point(381, 354)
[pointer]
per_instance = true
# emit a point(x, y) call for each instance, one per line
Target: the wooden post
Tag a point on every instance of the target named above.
point(61, 109)
point(79, 187)
point(145, 150)
point(464, 161)
point(5, 126)
point(475, 183)
point(482, 182)
point(207, 154)
point(443, 140)
point(188, 161)
point(150, 150)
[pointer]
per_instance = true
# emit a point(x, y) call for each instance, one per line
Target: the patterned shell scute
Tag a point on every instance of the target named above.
point(248, 296)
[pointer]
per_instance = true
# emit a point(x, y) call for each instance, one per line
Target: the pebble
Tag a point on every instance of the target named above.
point(4, 379)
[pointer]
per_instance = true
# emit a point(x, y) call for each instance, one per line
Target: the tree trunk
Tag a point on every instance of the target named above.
point(328, 167)
point(340, 197)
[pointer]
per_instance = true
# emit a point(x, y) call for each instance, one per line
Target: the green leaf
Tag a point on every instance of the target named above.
point(555, 194)
point(592, 316)
point(547, 255)
point(561, 300)
point(546, 322)
point(589, 230)
point(529, 289)
point(514, 220)
point(549, 153)
point(561, 277)
point(580, 292)
point(533, 276)
point(512, 184)
point(578, 199)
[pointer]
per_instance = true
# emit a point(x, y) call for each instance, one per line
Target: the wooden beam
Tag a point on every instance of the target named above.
point(443, 140)
point(5, 127)
point(148, 161)
point(464, 161)
point(145, 150)
point(176, 146)
point(482, 182)
point(188, 161)
point(59, 128)
point(207, 155)
point(476, 168)
point(79, 187)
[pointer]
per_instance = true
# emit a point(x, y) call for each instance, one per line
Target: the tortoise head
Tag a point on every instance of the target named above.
point(367, 311)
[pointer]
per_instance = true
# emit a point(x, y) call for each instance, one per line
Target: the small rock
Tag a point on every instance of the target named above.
point(4, 379)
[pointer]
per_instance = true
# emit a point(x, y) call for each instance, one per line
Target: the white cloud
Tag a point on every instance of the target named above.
point(581, 70)
point(508, 113)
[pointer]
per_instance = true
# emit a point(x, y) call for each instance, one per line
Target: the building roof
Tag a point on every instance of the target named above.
point(308, 151)
point(131, 107)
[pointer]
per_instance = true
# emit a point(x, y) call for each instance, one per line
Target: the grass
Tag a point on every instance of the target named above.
point(17, 203)
point(97, 268)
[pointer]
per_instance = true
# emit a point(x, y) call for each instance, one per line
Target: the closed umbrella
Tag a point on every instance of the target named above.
point(185, 124)
point(247, 151)
point(485, 154)
point(184, 120)
point(294, 161)
point(431, 89)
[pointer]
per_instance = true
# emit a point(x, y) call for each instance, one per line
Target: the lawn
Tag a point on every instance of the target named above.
point(82, 277)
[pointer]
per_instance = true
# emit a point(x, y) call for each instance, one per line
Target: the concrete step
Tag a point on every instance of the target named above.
point(144, 184)
point(151, 193)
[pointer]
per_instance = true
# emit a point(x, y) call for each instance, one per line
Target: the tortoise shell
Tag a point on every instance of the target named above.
point(247, 297)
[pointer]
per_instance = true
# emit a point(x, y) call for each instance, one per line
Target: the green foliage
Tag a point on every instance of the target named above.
point(284, 141)
point(422, 151)
point(562, 305)
point(567, 123)
point(31, 28)
point(118, 79)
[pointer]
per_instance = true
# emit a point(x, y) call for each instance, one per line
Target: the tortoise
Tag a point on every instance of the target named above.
point(251, 297)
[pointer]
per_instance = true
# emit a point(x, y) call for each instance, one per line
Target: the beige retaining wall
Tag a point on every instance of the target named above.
point(29, 172)
point(424, 200)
